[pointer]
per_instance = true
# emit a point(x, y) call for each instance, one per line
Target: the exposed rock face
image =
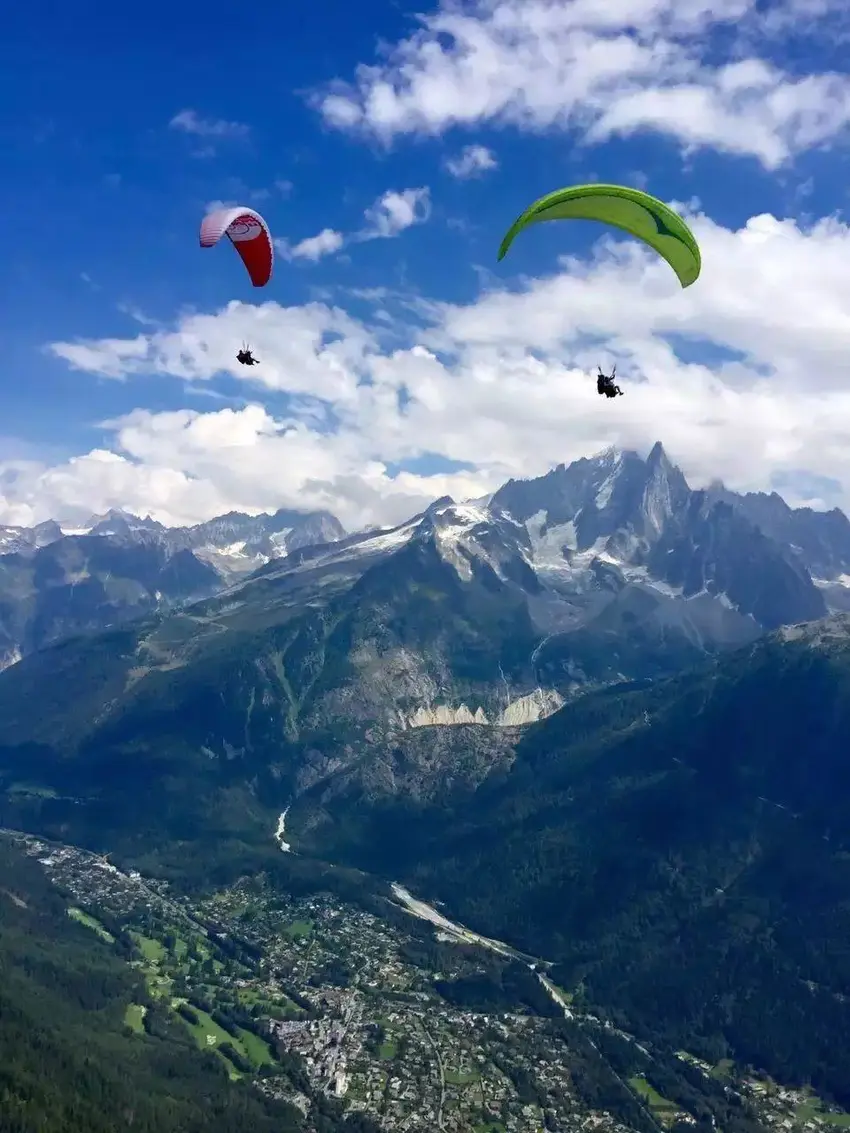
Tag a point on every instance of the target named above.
point(423, 717)
point(524, 710)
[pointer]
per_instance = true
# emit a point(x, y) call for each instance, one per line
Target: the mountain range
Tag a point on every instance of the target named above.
point(619, 565)
point(369, 664)
point(488, 612)
point(57, 582)
point(600, 714)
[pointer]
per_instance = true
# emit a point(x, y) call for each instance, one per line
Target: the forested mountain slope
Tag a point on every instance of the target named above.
point(681, 851)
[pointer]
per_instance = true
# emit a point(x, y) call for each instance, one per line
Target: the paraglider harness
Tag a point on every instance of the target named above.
point(605, 386)
point(246, 357)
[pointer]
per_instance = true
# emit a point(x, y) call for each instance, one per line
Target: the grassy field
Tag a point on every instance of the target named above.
point(134, 1018)
point(210, 1036)
point(461, 1077)
point(92, 923)
point(298, 930)
point(163, 963)
point(661, 1108)
point(723, 1069)
point(257, 1051)
point(813, 1109)
point(181, 949)
point(174, 959)
point(152, 950)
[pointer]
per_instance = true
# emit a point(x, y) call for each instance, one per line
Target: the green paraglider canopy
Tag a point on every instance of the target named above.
point(634, 211)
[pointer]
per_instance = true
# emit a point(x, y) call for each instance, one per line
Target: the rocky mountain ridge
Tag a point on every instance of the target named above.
point(57, 582)
point(234, 544)
point(607, 569)
point(488, 615)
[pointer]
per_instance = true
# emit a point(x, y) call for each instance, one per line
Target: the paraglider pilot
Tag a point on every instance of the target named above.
point(605, 386)
point(247, 358)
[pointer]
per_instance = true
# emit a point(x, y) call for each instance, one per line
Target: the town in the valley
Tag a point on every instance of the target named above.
point(312, 995)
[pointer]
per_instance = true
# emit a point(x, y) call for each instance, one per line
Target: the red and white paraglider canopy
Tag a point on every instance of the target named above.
point(248, 233)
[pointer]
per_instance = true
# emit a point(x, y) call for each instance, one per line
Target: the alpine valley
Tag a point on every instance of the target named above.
point(600, 715)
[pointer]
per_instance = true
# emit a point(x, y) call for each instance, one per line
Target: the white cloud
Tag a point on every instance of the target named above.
point(602, 70)
point(311, 350)
point(313, 248)
point(392, 213)
point(504, 383)
point(215, 205)
point(388, 217)
point(190, 122)
point(471, 162)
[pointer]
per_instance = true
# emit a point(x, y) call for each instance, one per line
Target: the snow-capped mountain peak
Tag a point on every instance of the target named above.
point(616, 528)
point(234, 544)
point(614, 503)
point(15, 539)
point(470, 534)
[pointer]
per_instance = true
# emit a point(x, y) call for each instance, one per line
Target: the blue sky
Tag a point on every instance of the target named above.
point(118, 131)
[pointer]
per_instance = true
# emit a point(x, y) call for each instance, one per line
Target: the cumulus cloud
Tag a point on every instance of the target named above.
point(602, 70)
point(313, 248)
point(190, 122)
point(389, 216)
point(745, 376)
point(392, 213)
point(472, 161)
point(218, 203)
point(311, 350)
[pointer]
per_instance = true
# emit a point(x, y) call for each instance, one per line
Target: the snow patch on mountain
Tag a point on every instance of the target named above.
point(233, 545)
point(389, 539)
point(9, 657)
point(281, 538)
point(237, 548)
point(841, 580)
point(614, 460)
point(550, 543)
point(468, 532)
point(640, 575)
